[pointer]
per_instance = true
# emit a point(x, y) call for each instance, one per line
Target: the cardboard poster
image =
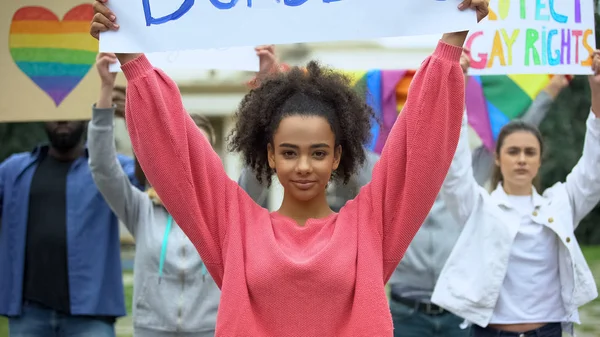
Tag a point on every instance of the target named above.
point(47, 58)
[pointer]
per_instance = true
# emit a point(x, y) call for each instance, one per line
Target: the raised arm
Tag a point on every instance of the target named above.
point(460, 189)
point(583, 183)
point(114, 184)
point(124, 199)
point(417, 153)
point(180, 163)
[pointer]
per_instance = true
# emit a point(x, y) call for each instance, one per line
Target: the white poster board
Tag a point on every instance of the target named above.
point(243, 58)
point(160, 25)
point(534, 37)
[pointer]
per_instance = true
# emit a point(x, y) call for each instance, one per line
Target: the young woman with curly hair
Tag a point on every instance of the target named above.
point(303, 270)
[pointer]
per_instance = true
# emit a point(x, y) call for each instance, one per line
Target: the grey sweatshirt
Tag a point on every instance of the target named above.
point(185, 299)
point(416, 275)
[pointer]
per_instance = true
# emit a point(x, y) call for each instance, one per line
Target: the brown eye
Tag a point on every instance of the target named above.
point(531, 152)
point(320, 154)
point(288, 154)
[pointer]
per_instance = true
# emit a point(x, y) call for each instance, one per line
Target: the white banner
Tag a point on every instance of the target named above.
point(168, 25)
point(243, 58)
point(534, 37)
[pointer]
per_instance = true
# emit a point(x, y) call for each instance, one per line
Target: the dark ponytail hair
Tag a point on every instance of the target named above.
point(507, 130)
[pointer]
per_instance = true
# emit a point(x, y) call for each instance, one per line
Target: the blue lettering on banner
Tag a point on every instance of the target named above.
point(227, 5)
point(219, 4)
point(185, 7)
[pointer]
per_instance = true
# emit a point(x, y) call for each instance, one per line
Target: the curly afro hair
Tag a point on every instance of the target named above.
point(314, 91)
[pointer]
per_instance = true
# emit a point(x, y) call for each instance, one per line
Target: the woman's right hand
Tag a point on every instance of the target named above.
point(103, 62)
point(107, 79)
point(595, 83)
point(104, 19)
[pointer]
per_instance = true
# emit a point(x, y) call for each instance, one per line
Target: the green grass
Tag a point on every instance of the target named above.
point(592, 255)
point(589, 328)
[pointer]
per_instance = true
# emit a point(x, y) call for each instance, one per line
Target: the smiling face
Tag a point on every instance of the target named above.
point(303, 155)
point(519, 159)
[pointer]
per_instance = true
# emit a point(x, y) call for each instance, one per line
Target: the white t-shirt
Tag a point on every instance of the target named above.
point(531, 291)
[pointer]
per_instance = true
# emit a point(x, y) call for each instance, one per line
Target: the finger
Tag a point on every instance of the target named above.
point(97, 28)
point(108, 59)
point(100, 18)
point(100, 7)
point(464, 5)
point(261, 47)
point(104, 54)
point(479, 5)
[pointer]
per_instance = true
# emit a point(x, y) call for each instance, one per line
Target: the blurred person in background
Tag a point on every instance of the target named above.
point(413, 281)
point(174, 295)
point(60, 261)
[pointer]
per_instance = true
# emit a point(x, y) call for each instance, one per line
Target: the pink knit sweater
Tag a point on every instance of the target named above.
point(277, 278)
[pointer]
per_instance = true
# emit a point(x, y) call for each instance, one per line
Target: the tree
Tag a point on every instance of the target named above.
point(19, 137)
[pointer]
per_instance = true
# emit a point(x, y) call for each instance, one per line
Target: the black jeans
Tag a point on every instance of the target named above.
point(548, 330)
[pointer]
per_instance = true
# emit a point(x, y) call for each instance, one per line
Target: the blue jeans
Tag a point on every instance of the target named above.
point(548, 330)
point(408, 322)
point(38, 321)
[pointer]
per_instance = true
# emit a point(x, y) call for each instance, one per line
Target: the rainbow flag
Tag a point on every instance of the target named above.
point(492, 101)
point(385, 91)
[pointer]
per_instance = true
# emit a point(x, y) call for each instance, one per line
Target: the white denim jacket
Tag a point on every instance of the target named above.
point(470, 282)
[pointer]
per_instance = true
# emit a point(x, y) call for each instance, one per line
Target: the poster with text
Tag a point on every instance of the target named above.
point(534, 37)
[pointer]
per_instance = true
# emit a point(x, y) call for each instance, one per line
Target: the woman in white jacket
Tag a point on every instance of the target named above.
point(517, 269)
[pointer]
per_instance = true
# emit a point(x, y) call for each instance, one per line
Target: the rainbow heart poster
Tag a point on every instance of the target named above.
point(47, 58)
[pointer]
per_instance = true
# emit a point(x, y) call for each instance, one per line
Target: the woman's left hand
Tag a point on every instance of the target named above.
point(267, 59)
point(480, 6)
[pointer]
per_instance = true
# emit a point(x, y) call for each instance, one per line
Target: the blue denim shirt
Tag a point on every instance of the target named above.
point(94, 259)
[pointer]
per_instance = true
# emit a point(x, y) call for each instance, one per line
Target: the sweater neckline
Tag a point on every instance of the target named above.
point(309, 221)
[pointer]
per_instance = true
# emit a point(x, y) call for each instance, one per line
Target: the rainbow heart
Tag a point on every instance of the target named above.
point(56, 55)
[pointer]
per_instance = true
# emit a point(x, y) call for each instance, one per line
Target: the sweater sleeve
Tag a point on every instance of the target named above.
point(583, 183)
point(417, 153)
point(113, 183)
point(538, 109)
point(181, 165)
point(460, 189)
